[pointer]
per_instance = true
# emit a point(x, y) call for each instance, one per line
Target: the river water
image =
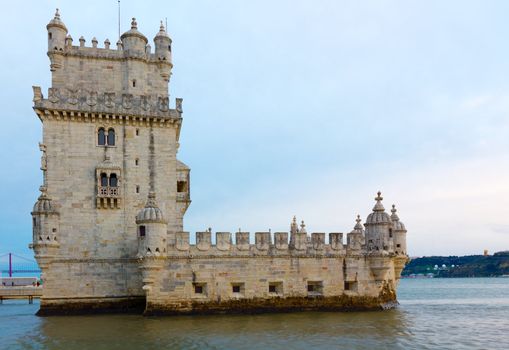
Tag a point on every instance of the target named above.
point(434, 314)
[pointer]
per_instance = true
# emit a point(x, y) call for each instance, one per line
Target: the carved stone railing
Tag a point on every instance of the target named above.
point(183, 196)
point(108, 192)
point(106, 102)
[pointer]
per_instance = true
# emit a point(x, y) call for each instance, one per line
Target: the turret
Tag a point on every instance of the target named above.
point(152, 230)
point(57, 32)
point(163, 45)
point(134, 42)
point(45, 229)
point(379, 235)
point(399, 232)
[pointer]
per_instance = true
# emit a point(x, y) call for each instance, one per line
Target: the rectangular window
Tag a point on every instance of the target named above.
point(181, 186)
point(351, 285)
point(238, 288)
point(142, 231)
point(398, 245)
point(200, 288)
point(276, 288)
point(315, 288)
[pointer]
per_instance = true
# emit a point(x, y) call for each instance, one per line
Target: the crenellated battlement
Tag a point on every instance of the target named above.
point(265, 244)
point(107, 52)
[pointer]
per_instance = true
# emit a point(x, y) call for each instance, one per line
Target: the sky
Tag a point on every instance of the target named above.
point(303, 108)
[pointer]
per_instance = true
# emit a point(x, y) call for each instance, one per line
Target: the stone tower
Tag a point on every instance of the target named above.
point(110, 141)
point(108, 224)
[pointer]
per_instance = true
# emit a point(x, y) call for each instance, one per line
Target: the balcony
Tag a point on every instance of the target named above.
point(108, 192)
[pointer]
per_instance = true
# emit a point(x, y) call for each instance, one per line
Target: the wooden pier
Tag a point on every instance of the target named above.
point(20, 292)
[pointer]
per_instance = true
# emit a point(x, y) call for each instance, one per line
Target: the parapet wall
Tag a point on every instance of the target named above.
point(266, 244)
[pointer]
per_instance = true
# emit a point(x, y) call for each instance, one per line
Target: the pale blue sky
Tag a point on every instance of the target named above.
point(302, 107)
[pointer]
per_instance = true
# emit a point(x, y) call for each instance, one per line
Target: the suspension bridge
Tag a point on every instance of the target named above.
point(14, 272)
point(12, 264)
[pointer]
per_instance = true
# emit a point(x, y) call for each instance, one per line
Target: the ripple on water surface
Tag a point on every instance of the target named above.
point(434, 314)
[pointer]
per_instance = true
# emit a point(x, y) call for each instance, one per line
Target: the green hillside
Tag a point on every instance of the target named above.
point(460, 266)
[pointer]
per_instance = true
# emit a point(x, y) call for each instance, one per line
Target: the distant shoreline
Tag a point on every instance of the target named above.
point(496, 265)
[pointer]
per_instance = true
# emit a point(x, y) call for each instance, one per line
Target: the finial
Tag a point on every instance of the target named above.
point(43, 189)
point(358, 225)
point(107, 43)
point(57, 14)
point(94, 42)
point(394, 216)
point(302, 226)
point(151, 202)
point(379, 197)
point(161, 27)
point(358, 220)
point(134, 24)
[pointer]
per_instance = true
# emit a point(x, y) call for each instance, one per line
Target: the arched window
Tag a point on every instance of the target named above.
point(101, 137)
point(113, 180)
point(111, 137)
point(104, 180)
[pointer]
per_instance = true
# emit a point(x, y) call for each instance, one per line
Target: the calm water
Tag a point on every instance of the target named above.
point(434, 314)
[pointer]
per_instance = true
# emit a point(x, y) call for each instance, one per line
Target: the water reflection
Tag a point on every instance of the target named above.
point(434, 314)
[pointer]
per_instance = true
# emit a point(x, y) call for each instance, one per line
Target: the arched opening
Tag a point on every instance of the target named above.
point(142, 231)
point(111, 137)
point(101, 137)
point(104, 180)
point(113, 180)
point(50, 35)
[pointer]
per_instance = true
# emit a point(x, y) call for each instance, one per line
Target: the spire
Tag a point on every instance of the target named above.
point(379, 206)
point(161, 28)
point(57, 14)
point(134, 24)
point(293, 226)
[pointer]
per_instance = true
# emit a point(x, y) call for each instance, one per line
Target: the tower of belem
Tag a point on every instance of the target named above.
point(108, 225)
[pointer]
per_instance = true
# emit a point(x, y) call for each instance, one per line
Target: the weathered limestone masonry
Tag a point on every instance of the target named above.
point(103, 240)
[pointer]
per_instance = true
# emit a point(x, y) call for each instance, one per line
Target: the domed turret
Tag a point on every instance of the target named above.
point(45, 221)
point(133, 41)
point(152, 229)
point(399, 231)
point(378, 216)
point(379, 228)
point(57, 32)
point(163, 45)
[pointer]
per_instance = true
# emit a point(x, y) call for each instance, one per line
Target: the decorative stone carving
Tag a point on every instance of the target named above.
point(109, 99)
point(262, 240)
point(242, 240)
point(281, 240)
point(127, 101)
point(318, 240)
point(336, 240)
point(145, 103)
point(73, 96)
point(53, 95)
point(203, 240)
point(92, 98)
point(223, 240)
point(163, 103)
